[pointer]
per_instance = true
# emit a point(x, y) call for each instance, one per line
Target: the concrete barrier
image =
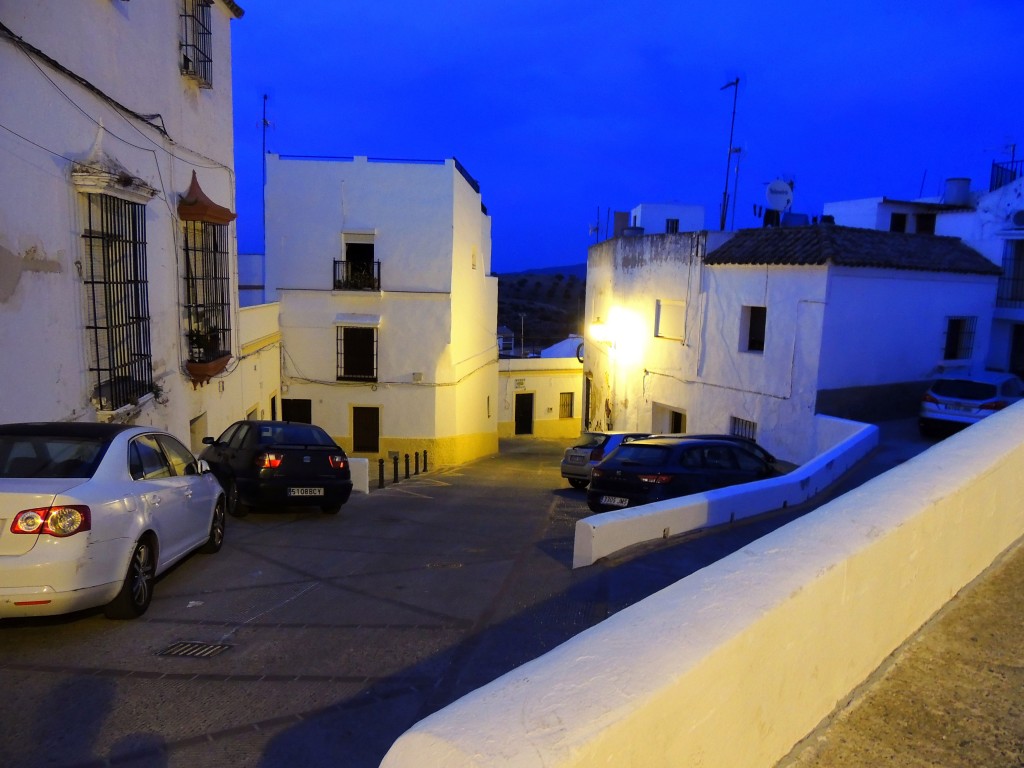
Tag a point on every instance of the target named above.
point(360, 475)
point(840, 445)
point(735, 664)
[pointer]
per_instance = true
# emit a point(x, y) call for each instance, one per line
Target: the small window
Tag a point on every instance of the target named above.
point(196, 42)
point(754, 322)
point(925, 224)
point(357, 353)
point(565, 405)
point(670, 319)
point(207, 290)
point(742, 428)
point(146, 461)
point(959, 338)
point(898, 222)
point(671, 226)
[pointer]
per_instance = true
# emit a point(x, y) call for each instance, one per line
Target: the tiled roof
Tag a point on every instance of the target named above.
point(822, 244)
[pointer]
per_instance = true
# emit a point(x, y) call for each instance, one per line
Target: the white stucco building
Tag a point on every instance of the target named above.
point(117, 246)
point(990, 221)
point(543, 396)
point(388, 306)
point(754, 332)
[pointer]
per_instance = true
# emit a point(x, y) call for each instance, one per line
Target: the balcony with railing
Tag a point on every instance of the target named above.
point(1004, 173)
point(356, 275)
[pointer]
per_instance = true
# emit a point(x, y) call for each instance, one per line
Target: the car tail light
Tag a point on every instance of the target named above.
point(596, 473)
point(995, 405)
point(337, 461)
point(269, 460)
point(59, 521)
point(929, 398)
point(655, 479)
point(596, 454)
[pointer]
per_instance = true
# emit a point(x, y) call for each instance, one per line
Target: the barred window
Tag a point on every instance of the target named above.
point(565, 405)
point(1011, 283)
point(357, 353)
point(207, 291)
point(755, 320)
point(117, 301)
point(196, 42)
point(742, 428)
point(959, 338)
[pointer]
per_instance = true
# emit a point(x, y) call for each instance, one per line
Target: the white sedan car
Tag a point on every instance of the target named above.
point(91, 514)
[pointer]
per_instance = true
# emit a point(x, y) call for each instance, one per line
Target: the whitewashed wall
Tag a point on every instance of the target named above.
point(128, 51)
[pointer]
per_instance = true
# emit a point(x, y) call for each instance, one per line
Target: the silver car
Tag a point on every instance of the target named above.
point(956, 401)
point(91, 514)
point(580, 459)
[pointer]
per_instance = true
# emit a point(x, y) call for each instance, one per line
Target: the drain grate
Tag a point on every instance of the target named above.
point(194, 650)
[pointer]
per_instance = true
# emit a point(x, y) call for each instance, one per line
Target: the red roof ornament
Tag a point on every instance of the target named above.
point(196, 206)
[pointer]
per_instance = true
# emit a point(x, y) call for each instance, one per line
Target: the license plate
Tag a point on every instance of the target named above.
point(959, 408)
point(577, 459)
point(615, 501)
point(305, 491)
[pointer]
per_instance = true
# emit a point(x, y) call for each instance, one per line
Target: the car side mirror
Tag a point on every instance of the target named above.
point(209, 440)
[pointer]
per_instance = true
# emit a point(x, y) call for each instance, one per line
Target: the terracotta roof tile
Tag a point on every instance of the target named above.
point(822, 244)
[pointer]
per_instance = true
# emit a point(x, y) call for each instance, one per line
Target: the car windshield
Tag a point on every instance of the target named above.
point(642, 454)
point(590, 440)
point(49, 456)
point(964, 389)
point(293, 434)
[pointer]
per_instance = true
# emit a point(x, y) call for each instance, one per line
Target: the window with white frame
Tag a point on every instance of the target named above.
point(357, 353)
point(959, 343)
point(117, 301)
point(196, 41)
point(670, 319)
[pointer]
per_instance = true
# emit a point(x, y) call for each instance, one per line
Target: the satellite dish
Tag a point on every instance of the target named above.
point(780, 195)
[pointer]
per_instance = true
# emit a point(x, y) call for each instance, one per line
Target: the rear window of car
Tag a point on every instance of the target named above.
point(642, 454)
point(964, 389)
point(49, 456)
point(590, 440)
point(293, 434)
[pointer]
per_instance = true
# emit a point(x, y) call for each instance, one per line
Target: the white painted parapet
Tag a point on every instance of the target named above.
point(840, 445)
point(735, 664)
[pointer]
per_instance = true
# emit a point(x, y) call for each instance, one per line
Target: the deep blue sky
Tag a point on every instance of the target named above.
point(564, 108)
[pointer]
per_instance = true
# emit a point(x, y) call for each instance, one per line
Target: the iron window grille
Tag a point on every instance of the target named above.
point(207, 291)
point(565, 403)
point(357, 353)
point(117, 301)
point(742, 428)
point(1011, 283)
point(196, 43)
point(959, 338)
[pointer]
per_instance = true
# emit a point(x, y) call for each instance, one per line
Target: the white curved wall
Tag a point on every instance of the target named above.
point(735, 664)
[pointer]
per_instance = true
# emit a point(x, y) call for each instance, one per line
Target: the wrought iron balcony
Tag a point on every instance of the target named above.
point(356, 275)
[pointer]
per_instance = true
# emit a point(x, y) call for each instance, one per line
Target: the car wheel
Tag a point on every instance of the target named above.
point(577, 483)
point(137, 589)
point(236, 507)
point(216, 540)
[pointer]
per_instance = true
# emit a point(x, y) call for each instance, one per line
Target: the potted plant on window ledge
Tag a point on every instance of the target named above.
point(206, 358)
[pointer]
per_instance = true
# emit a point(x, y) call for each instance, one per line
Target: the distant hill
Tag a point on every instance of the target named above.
point(546, 305)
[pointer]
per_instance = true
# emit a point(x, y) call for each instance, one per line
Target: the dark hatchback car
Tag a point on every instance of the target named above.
point(279, 463)
point(660, 468)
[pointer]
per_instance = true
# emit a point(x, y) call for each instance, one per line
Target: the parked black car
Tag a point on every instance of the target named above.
point(280, 463)
point(660, 468)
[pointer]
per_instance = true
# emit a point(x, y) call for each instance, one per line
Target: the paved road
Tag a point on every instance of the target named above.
point(326, 637)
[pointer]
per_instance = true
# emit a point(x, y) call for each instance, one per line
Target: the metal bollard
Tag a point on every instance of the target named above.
point(396, 467)
point(424, 460)
point(380, 473)
point(407, 466)
point(417, 463)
